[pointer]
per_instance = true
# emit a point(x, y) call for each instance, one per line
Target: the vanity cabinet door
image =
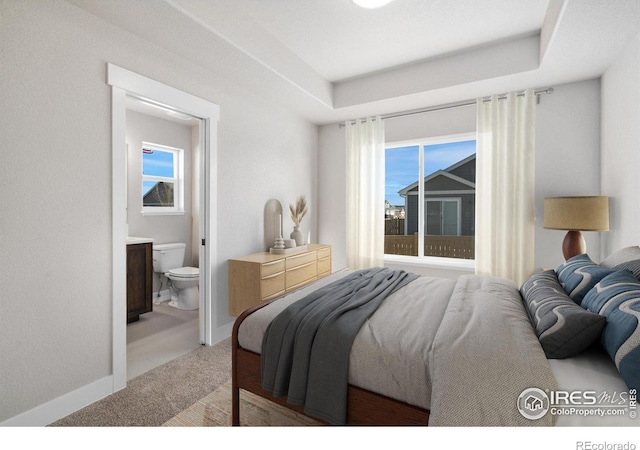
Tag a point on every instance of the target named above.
point(139, 280)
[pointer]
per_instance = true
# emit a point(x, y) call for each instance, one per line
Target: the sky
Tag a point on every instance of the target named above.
point(158, 163)
point(401, 164)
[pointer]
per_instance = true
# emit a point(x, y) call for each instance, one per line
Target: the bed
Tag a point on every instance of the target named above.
point(477, 351)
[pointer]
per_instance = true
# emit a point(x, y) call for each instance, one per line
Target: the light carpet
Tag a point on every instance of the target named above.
point(158, 395)
point(214, 410)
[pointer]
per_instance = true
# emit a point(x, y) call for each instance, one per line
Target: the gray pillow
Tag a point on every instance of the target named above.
point(564, 329)
point(621, 256)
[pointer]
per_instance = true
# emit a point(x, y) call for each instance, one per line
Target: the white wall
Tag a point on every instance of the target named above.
point(332, 188)
point(567, 163)
point(620, 148)
point(55, 239)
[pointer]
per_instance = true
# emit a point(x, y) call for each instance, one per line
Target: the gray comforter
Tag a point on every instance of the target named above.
point(305, 349)
point(465, 349)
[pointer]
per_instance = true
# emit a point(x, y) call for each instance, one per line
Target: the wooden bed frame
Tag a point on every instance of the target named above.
point(363, 407)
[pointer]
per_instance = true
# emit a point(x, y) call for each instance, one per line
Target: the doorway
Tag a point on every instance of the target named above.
point(125, 84)
point(163, 192)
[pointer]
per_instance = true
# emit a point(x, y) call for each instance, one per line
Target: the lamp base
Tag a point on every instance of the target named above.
point(573, 244)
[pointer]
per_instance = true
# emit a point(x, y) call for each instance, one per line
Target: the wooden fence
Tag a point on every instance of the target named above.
point(462, 247)
point(394, 226)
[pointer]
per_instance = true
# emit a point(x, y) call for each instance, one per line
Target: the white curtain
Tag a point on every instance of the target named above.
point(505, 172)
point(365, 193)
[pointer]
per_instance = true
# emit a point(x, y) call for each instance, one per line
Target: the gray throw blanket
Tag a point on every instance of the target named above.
point(305, 349)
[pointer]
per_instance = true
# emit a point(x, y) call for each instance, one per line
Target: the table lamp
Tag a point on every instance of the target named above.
point(576, 214)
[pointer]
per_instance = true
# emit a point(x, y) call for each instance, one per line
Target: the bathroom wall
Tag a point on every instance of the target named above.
point(161, 228)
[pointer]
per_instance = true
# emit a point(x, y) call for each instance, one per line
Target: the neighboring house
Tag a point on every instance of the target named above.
point(393, 211)
point(161, 194)
point(450, 196)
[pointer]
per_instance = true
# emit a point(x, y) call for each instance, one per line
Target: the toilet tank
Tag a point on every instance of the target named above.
point(168, 256)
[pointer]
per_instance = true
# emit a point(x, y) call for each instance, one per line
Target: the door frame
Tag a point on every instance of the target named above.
point(126, 83)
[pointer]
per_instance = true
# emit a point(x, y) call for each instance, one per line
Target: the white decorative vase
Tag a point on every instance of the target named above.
point(297, 235)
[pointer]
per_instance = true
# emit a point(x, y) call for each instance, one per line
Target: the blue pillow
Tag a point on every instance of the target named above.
point(617, 297)
point(579, 274)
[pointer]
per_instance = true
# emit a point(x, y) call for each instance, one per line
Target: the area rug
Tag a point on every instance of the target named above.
point(214, 410)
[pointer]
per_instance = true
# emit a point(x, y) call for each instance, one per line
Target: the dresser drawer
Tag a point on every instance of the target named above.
point(272, 285)
point(300, 260)
point(301, 274)
point(324, 266)
point(324, 252)
point(271, 268)
point(263, 276)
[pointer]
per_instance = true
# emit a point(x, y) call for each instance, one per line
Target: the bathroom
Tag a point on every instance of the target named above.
point(163, 210)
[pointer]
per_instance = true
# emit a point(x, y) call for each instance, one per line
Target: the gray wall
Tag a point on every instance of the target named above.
point(620, 154)
point(567, 160)
point(55, 239)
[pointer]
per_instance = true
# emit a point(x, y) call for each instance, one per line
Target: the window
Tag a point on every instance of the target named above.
point(162, 179)
point(435, 217)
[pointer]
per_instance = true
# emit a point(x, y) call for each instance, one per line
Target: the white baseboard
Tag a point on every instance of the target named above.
point(62, 406)
point(71, 402)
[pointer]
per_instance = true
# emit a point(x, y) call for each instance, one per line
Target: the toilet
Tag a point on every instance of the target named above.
point(168, 259)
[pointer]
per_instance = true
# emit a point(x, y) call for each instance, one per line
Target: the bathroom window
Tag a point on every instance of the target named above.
point(162, 179)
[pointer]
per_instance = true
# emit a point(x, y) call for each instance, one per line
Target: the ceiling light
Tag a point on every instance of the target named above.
point(371, 4)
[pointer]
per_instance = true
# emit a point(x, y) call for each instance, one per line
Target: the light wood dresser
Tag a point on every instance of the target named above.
point(256, 278)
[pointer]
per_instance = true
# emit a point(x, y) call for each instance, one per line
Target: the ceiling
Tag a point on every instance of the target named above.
point(339, 40)
point(331, 61)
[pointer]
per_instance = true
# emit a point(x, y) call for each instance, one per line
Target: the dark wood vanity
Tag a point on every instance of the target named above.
point(139, 280)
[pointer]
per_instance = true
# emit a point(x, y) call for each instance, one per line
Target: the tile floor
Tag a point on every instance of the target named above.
point(159, 337)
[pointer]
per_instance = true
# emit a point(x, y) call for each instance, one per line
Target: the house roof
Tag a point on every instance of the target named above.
point(464, 183)
point(158, 195)
point(460, 163)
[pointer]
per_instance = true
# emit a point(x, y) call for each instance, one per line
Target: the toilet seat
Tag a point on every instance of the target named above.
point(184, 272)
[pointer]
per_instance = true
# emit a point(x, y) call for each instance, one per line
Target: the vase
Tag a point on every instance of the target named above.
point(297, 235)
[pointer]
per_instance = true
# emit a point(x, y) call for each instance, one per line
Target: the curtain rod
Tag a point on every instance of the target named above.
point(459, 104)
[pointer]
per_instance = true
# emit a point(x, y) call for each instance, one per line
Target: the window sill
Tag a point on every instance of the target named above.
point(465, 265)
